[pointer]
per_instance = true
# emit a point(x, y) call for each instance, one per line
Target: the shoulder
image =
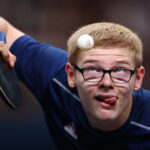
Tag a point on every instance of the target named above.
point(142, 94)
point(141, 105)
point(141, 110)
point(141, 101)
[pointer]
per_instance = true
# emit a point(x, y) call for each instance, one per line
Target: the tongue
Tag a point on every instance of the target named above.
point(110, 100)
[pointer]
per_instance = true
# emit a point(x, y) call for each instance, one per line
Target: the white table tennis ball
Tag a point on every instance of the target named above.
point(85, 41)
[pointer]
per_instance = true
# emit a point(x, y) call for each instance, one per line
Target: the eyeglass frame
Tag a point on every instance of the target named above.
point(81, 70)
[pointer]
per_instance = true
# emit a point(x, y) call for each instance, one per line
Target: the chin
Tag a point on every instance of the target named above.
point(106, 115)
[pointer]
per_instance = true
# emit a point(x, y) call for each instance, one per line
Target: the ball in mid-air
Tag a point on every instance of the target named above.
point(85, 41)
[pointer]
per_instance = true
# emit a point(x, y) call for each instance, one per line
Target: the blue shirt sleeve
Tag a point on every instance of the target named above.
point(37, 63)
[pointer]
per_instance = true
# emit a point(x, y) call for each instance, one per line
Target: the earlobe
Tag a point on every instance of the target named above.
point(70, 75)
point(139, 78)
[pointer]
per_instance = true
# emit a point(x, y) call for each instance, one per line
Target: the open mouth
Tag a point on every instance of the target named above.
point(107, 100)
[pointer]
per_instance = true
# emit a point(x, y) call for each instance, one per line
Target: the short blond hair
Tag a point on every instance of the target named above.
point(107, 35)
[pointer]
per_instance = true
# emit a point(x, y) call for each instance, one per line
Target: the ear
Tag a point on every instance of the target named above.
point(70, 75)
point(139, 78)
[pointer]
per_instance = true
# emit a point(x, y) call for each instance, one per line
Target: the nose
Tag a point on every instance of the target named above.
point(106, 82)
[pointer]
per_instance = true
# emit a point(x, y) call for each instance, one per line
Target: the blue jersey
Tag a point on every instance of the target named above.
point(42, 68)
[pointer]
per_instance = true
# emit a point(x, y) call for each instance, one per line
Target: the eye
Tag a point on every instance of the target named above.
point(95, 70)
point(92, 69)
point(120, 70)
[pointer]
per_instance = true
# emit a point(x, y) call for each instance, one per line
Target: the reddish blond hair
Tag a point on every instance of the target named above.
point(107, 35)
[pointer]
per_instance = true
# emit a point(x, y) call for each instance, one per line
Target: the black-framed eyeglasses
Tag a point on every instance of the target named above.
point(95, 75)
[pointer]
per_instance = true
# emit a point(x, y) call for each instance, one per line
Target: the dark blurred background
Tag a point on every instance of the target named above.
point(53, 21)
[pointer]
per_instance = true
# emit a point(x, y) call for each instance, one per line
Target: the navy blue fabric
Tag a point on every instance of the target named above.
point(42, 68)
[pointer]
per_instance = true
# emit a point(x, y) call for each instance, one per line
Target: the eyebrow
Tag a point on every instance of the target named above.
point(96, 62)
point(122, 62)
point(116, 63)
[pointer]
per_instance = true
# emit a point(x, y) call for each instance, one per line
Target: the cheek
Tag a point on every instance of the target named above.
point(81, 85)
point(85, 90)
point(126, 89)
point(125, 94)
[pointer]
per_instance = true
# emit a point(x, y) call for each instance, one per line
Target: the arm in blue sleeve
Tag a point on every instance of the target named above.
point(37, 63)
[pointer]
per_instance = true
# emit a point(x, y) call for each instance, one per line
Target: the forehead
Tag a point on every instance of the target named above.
point(99, 55)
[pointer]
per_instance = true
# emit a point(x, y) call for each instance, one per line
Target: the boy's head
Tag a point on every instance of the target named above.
point(106, 74)
point(107, 35)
